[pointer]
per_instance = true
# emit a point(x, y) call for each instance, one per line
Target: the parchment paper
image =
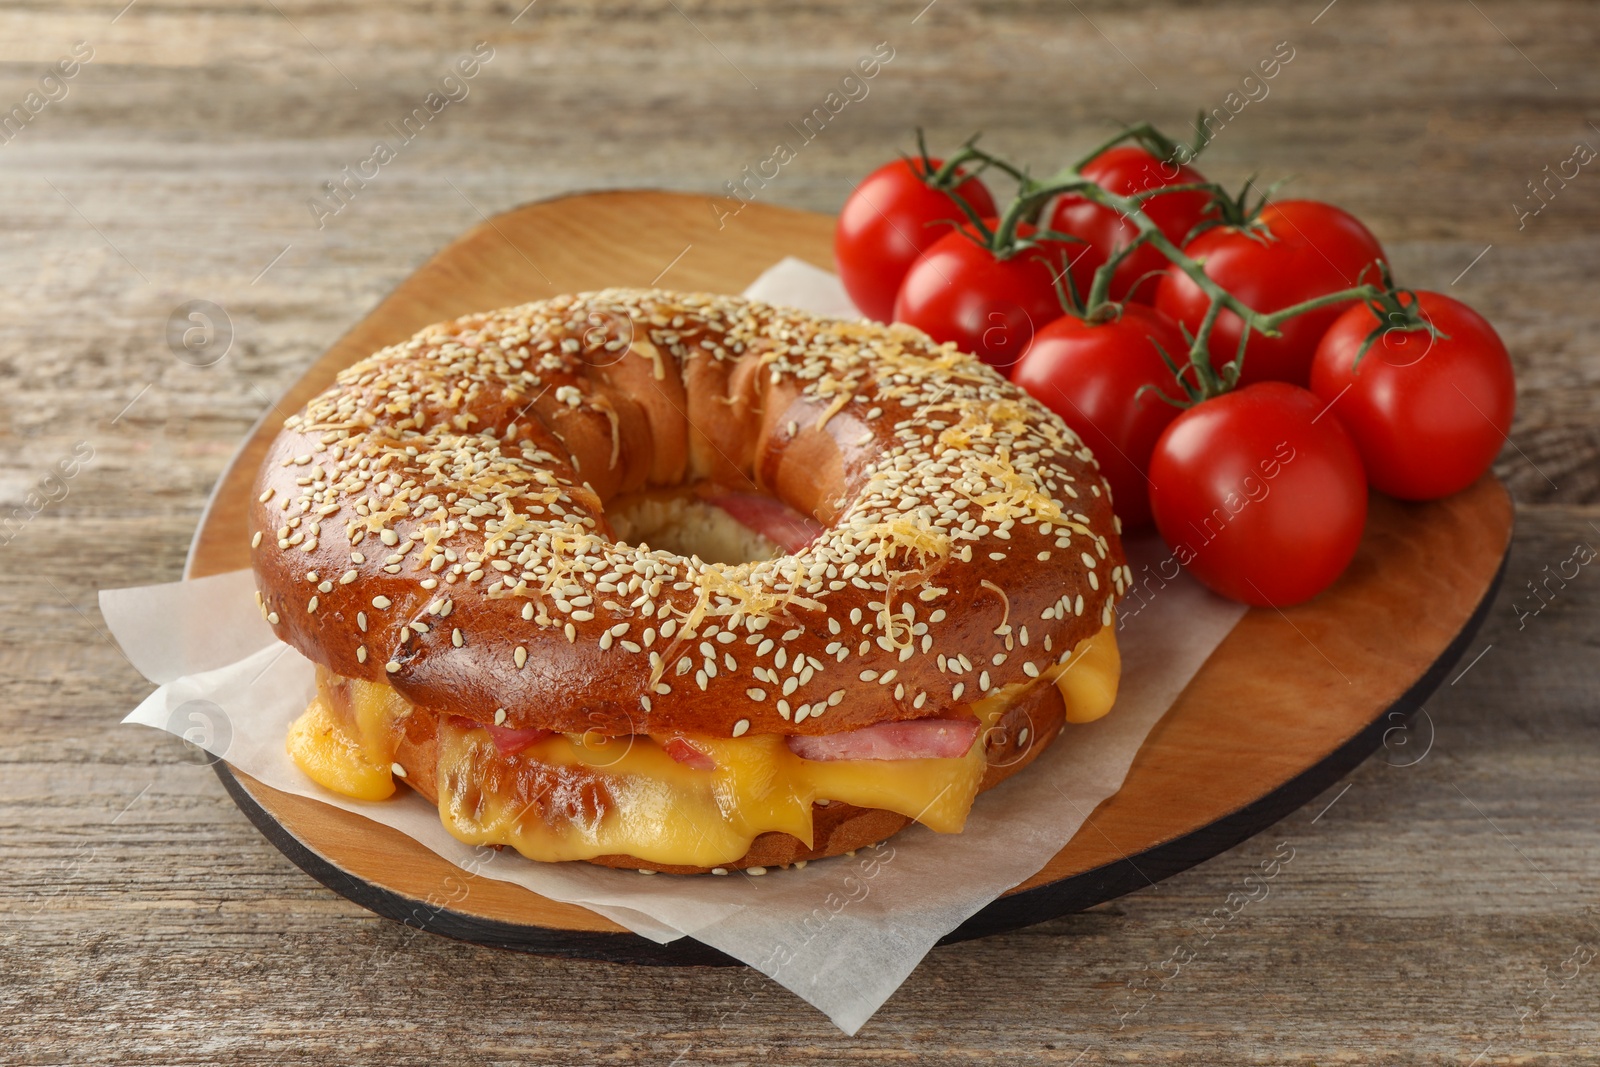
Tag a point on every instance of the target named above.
point(842, 933)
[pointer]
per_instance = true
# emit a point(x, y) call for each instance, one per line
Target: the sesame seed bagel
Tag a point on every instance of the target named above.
point(436, 521)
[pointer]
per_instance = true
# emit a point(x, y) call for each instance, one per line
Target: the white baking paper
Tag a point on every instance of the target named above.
point(842, 933)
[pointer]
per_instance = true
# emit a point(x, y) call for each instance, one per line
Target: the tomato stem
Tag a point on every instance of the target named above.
point(1034, 196)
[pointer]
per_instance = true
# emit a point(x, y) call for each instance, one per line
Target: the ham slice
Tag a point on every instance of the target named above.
point(688, 755)
point(769, 517)
point(510, 741)
point(911, 739)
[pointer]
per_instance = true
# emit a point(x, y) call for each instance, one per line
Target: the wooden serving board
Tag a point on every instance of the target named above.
point(1289, 703)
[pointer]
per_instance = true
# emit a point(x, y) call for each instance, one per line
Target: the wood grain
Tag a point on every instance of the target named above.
point(1424, 911)
point(1237, 734)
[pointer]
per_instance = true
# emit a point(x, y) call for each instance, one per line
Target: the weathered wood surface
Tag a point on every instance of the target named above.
point(1435, 913)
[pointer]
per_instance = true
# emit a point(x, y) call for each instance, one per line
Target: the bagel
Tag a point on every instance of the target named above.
point(457, 533)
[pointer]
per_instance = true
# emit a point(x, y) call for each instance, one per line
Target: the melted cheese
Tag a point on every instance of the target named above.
point(348, 746)
point(634, 799)
point(1088, 680)
point(320, 746)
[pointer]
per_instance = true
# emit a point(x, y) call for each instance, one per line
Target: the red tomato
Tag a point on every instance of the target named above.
point(1313, 249)
point(1091, 375)
point(890, 220)
point(1429, 414)
point(1127, 170)
point(958, 291)
point(1260, 494)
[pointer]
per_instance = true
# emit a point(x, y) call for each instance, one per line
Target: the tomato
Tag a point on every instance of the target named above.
point(1311, 249)
point(1260, 494)
point(890, 220)
point(960, 291)
point(1429, 414)
point(1091, 375)
point(1127, 170)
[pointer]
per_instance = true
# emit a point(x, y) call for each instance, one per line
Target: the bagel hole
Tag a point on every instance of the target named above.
point(708, 521)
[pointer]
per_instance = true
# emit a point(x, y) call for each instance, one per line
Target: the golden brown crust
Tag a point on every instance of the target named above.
point(435, 521)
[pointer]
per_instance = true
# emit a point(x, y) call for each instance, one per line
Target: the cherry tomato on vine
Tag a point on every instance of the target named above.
point(1429, 414)
point(960, 291)
point(1127, 170)
point(1260, 494)
point(1092, 376)
point(1309, 249)
point(890, 219)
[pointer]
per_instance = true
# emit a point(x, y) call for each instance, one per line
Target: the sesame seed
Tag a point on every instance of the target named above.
point(381, 602)
point(739, 729)
point(520, 655)
point(397, 770)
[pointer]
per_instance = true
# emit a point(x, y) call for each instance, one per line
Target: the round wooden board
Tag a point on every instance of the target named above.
point(1289, 703)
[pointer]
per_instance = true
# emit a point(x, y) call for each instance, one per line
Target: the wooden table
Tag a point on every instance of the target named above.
point(1435, 912)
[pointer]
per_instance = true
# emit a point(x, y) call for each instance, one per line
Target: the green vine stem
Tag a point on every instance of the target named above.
point(1200, 379)
point(1032, 196)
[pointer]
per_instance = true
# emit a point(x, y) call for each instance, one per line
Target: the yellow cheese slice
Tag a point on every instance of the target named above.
point(1088, 680)
point(325, 751)
point(652, 806)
